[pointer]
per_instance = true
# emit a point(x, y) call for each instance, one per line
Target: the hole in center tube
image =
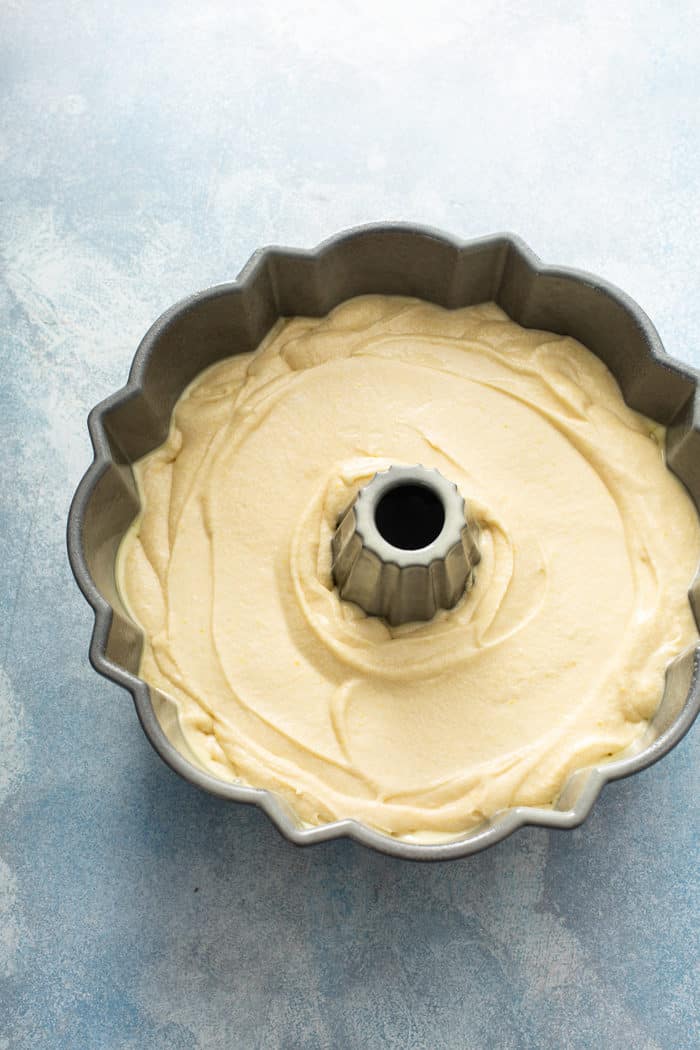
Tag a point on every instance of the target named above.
point(410, 516)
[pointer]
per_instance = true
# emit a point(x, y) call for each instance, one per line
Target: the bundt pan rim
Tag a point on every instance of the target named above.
point(390, 258)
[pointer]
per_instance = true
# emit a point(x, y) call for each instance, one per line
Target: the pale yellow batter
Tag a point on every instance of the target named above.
point(554, 660)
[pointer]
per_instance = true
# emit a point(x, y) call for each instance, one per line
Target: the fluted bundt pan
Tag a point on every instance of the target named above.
point(233, 318)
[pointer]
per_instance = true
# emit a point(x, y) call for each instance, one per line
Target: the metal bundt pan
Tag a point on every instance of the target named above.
point(232, 318)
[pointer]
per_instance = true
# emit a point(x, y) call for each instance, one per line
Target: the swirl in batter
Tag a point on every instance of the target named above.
point(554, 660)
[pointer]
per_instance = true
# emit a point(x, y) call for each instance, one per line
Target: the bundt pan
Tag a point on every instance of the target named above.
point(232, 318)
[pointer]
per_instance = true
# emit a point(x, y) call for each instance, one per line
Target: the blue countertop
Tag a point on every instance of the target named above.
point(146, 150)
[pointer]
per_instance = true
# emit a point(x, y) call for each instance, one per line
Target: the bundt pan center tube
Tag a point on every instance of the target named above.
point(406, 547)
point(441, 547)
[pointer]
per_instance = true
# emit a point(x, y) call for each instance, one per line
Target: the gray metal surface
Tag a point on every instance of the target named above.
point(408, 578)
point(391, 259)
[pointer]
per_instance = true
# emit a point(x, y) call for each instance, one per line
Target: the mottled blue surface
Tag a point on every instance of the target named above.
point(147, 149)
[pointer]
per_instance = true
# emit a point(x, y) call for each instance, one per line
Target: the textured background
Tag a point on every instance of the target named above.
point(147, 149)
